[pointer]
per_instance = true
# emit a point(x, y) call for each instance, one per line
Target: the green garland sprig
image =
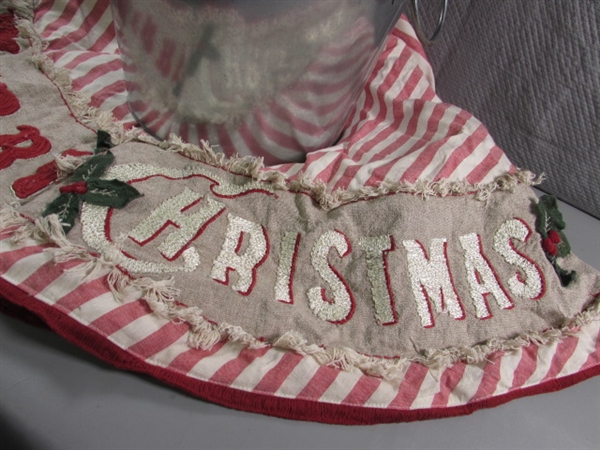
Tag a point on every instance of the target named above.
point(86, 185)
point(550, 224)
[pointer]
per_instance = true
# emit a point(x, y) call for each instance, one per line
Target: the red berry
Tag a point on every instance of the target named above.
point(79, 187)
point(549, 246)
point(554, 236)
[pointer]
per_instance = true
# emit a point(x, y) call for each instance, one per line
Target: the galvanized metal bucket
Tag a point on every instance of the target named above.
point(273, 78)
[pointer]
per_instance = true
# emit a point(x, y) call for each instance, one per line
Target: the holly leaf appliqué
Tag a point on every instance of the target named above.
point(93, 167)
point(66, 207)
point(113, 193)
point(86, 185)
point(550, 224)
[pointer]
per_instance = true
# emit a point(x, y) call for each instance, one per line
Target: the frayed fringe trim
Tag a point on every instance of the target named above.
point(480, 353)
point(22, 8)
point(66, 165)
point(77, 102)
point(393, 368)
point(161, 296)
point(28, 309)
point(344, 358)
point(251, 166)
point(318, 190)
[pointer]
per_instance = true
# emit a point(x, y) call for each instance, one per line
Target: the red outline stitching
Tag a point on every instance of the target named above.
point(343, 281)
point(484, 295)
point(211, 187)
point(442, 299)
point(254, 269)
point(292, 271)
point(170, 222)
point(386, 272)
point(9, 103)
point(527, 258)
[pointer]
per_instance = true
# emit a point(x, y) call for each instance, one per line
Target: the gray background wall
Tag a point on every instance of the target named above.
point(530, 71)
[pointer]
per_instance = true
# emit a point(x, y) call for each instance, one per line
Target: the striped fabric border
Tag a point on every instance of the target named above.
point(282, 374)
point(399, 130)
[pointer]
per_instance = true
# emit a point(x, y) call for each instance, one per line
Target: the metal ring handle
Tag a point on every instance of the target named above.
point(414, 10)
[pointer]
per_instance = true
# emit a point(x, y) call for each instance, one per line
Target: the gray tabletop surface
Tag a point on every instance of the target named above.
point(55, 396)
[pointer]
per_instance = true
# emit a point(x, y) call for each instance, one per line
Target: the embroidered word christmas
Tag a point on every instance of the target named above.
point(178, 223)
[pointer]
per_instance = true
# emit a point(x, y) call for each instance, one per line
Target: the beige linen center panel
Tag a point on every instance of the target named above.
point(403, 216)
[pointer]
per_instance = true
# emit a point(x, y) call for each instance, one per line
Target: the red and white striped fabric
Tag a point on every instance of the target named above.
point(302, 116)
point(81, 38)
point(399, 130)
point(131, 336)
point(295, 119)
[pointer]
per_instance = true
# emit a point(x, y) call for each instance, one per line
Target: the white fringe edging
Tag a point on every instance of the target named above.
point(161, 296)
point(21, 8)
point(249, 166)
point(318, 190)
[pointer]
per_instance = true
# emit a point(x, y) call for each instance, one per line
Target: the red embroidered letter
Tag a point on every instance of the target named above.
point(29, 185)
point(8, 32)
point(13, 148)
point(43, 177)
point(9, 103)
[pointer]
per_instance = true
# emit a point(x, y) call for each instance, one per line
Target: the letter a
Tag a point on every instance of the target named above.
point(481, 278)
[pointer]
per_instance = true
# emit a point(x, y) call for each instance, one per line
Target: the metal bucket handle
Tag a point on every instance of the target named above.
point(414, 12)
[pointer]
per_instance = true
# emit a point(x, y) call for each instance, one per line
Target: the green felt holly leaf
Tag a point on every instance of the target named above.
point(566, 276)
point(113, 193)
point(93, 167)
point(103, 142)
point(66, 207)
point(550, 224)
point(86, 185)
point(564, 248)
point(549, 216)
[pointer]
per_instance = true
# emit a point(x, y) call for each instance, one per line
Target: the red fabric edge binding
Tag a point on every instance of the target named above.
point(22, 305)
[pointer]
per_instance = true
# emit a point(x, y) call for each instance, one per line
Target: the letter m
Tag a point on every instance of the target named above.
point(431, 281)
